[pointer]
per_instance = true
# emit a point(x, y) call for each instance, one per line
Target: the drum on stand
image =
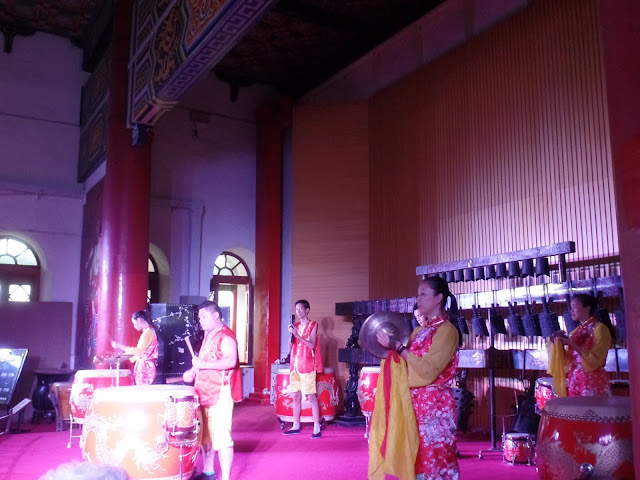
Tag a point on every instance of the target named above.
point(151, 431)
point(326, 389)
point(517, 448)
point(367, 385)
point(544, 392)
point(85, 383)
point(585, 430)
point(620, 388)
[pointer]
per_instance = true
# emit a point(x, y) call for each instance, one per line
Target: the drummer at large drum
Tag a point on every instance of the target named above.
point(145, 353)
point(219, 385)
point(431, 357)
point(304, 362)
point(583, 353)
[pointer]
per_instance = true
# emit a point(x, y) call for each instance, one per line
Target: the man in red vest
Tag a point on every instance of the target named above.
point(304, 362)
point(219, 385)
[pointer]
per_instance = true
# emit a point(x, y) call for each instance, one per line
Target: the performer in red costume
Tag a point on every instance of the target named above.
point(219, 385)
point(145, 353)
point(304, 362)
point(432, 358)
point(585, 350)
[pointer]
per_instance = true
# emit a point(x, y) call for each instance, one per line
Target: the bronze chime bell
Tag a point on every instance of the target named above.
point(469, 275)
point(514, 269)
point(527, 268)
point(479, 273)
point(515, 321)
point(542, 266)
point(496, 320)
point(548, 320)
point(490, 272)
point(501, 270)
point(531, 322)
point(459, 276)
point(449, 277)
point(478, 323)
point(461, 323)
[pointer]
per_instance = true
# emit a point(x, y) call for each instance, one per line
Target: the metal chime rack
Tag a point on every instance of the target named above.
point(504, 268)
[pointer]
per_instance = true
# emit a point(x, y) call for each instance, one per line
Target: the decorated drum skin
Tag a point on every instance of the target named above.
point(131, 427)
point(367, 383)
point(544, 392)
point(326, 389)
point(86, 382)
point(577, 430)
point(517, 448)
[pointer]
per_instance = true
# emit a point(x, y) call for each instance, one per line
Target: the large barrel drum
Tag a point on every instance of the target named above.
point(367, 386)
point(326, 389)
point(578, 430)
point(544, 392)
point(86, 382)
point(142, 429)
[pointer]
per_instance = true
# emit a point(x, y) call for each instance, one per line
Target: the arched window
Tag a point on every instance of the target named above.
point(231, 288)
point(19, 271)
point(153, 292)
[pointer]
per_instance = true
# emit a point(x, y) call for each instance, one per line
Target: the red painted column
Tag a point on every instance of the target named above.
point(272, 120)
point(125, 222)
point(620, 26)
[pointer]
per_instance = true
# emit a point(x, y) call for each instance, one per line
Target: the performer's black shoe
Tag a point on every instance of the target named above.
point(316, 435)
point(204, 476)
point(291, 432)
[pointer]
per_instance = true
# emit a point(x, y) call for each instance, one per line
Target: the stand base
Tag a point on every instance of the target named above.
point(263, 398)
point(350, 421)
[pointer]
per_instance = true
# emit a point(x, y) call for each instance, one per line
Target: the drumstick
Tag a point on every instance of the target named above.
point(188, 342)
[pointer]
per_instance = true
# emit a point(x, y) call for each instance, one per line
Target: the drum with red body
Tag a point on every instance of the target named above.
point(517, 448)
point(326, 389)
point(544, 392)
point(367, 383)
point(620, 388)
point(578, 430)
point(143, 429)
point(86, 382)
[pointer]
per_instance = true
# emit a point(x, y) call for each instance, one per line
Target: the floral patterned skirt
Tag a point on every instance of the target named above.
point(144, 372)
point(435, 410)
point(591, 384)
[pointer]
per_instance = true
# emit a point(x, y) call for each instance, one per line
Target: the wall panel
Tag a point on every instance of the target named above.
point(330, 218)
point(504, 144)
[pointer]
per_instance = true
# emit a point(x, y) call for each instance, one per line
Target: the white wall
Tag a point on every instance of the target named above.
point(40, 200)
point(203, 186)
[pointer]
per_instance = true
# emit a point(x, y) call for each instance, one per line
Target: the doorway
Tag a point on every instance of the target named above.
point(232, 290)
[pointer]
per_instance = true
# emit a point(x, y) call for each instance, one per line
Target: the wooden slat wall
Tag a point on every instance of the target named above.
point(330, 250)
point(504, 142)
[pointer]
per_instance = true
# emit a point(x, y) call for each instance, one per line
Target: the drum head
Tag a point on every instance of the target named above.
point(590, 409)
point(142, 393)
point(545, 381)
point(394, 324)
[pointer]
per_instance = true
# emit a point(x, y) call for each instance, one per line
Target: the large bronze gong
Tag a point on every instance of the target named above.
point(394, 324)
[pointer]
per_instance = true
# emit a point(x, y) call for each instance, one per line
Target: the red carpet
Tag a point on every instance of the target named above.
point(261, 452)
